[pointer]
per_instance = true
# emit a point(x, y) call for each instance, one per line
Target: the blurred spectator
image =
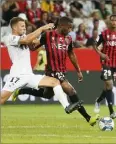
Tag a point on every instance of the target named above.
point(96, 3)
point(58, 7)
point(34, 13)
point(47, 5)
point(23, 16)
point(29, 27)
point(91, 41)
point(103, 10)
point(114, 9)
point(107, 21)
point(10, 9)
point(41, 60)
point(81, 35)
point(23, 5)
point(113, 2)
point(76, 9)
point(72, 33)
point(43, 20)
point(96, 24)
point(92, 23)
point(88, 7)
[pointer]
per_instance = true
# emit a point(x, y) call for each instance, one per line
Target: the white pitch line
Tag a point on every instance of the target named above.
point(41, 126)
point(55, 135)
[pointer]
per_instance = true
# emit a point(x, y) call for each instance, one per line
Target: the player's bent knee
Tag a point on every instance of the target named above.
point(71, 92)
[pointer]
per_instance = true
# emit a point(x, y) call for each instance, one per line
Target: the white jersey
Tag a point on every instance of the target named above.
point(19, 55)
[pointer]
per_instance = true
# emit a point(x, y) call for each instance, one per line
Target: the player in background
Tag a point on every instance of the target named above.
point(58, 45)
point(21, 73)
point(108, 55)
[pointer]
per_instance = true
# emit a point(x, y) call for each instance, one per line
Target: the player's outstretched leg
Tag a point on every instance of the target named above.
point(70, 91)
point(109, 98)
point(30, 91)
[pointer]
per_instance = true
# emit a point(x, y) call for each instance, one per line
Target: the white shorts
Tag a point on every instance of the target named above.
point(30, 80)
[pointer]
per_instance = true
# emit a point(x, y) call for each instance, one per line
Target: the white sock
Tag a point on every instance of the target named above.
point(61, 96)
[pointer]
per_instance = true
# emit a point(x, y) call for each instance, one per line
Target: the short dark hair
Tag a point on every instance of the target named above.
point(64, 20)
point(113, 15)
point(15, 20)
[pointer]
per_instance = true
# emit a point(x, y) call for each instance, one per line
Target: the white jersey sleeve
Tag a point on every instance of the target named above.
point(14, 41)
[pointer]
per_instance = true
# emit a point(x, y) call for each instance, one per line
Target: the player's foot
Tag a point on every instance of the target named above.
point(113, 115)
point(97, 107)
point(69, 109)
point(15, 94)
point(94, 119)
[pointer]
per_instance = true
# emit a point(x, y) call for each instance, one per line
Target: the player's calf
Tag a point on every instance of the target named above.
point(5, 96)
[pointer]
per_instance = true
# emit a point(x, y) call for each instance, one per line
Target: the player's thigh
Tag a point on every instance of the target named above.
point(68, 88)
point(42, 81)
point(14, 83)
point(49, 82)
point(107, 77)
point(108, 84)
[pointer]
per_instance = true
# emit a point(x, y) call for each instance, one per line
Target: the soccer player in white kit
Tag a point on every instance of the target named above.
point(21, 73)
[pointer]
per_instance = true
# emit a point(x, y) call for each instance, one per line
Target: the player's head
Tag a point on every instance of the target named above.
point(113, 20)
point(64, 25)
point(18, 25)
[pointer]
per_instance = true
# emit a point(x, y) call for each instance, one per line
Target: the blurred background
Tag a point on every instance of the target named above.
point(90, 18)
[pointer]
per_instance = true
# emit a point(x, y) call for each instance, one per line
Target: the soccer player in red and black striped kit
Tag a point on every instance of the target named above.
point(108, 56)
point(58, 45)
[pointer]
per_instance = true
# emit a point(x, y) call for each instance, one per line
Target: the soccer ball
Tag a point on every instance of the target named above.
point(106, 124)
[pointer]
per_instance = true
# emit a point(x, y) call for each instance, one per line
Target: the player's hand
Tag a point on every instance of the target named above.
point(80, 76)
point(48, 26)
point(104, 56)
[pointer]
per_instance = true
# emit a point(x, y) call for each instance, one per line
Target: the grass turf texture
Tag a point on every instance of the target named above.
point(49, 124)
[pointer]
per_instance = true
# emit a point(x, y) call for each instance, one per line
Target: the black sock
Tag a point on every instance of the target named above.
point(30, 91)
point(102, 96)
point(74, 98)
point(83, 112)
point(109, 98)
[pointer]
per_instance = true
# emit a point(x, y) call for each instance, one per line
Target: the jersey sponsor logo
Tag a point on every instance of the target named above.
point(60, 46)
point(111, 43)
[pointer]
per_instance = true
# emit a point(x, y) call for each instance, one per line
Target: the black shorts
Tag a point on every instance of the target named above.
point(58, 75)
point(107, 73)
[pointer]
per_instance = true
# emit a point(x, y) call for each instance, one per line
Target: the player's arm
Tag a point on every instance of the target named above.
point(30, 37)
point(37, 43)
point(74, 61)
point(97, 43)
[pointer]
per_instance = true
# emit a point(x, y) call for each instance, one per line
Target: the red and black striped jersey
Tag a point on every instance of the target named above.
point(108, 39)
point(57, 47)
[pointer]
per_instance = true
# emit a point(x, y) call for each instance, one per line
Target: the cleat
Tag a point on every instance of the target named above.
point(113, 115)
point(72, 107)
point(97, 107)
point(15, 94)
point(93, 120)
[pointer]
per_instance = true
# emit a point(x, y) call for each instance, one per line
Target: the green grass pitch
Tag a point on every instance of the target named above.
point(49, 124)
